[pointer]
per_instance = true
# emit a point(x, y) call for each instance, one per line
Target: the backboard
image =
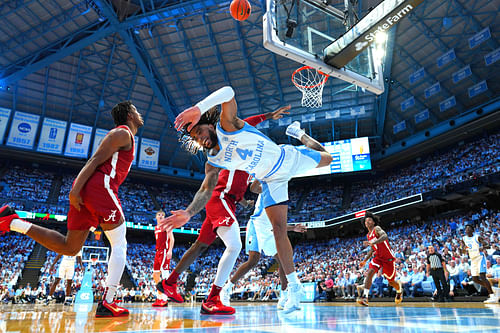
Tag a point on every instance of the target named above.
point(301, 30)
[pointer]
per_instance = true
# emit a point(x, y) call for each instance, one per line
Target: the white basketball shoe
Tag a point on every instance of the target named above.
point(295, 295)
point(295, 131)
point(282, 299)
point(225, 294)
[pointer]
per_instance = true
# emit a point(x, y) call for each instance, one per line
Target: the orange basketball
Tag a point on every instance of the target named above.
point(240, 9)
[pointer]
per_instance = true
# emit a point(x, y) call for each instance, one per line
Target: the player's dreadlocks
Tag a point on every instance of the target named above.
point(211, 117)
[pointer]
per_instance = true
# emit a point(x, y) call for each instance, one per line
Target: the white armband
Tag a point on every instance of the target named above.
point(223, 95)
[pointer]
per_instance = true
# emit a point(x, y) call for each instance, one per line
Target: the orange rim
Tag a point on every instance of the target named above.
point(311, 86)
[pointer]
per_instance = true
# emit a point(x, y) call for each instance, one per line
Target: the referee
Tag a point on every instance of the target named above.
point(437, 269)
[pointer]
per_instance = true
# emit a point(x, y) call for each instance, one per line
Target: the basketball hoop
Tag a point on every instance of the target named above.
point(311, 82)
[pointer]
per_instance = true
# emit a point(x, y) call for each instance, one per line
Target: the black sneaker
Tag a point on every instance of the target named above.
point(105, 309)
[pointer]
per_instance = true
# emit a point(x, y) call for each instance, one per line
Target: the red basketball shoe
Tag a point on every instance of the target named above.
point(160, 303)
point(213, 306)
point(7, 214)
point(170, 290)
point(105, 309)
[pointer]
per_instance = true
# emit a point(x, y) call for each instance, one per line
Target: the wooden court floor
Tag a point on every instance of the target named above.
point(260, 317)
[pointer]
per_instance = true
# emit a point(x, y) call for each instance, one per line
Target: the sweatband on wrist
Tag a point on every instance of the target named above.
point(223, 95)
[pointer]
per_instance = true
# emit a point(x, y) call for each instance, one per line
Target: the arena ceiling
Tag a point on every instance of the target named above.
point(73, 60)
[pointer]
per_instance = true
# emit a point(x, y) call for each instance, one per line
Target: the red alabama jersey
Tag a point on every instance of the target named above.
point(232, 184)
point(381, 250)
point(161, 239)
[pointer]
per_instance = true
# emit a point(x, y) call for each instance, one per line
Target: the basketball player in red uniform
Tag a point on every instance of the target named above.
point(161, 266)
point(94, 201)
point(220, 221)
point(384, 259)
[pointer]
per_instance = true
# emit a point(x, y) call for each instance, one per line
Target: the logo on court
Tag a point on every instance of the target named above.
point(111, 216)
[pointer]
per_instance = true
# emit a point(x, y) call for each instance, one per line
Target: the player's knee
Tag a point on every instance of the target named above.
point(234, 246)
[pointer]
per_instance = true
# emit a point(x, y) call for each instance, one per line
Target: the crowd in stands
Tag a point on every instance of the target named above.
point(14, 252)
point(24, 183)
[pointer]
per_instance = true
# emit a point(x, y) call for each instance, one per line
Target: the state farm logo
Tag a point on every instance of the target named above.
point(149, 151)
point(360, 45)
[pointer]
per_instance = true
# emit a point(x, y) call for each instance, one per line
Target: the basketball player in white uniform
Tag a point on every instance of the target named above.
point(259, 238)
point(65, 271)
point(235, 145)
point(474, 245)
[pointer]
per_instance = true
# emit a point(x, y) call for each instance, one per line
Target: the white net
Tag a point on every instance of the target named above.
point(310, 82)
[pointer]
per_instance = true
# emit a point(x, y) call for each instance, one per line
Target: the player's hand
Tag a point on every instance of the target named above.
point(366, 243)
point(191, 115)
point(362, 264)
point(275, 115)
point(300, 228)
point(176, 220)
point(75, 199)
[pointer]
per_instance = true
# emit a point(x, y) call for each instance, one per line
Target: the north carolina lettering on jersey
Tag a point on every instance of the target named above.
point(228, 153)
point(256, 157)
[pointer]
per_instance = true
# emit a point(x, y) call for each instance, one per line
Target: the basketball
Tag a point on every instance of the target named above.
point(240, 9)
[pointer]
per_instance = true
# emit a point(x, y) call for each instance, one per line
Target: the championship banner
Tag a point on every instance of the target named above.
point(150, 151)
point(4, 119)
point(52, 136)
point(98, 136)
point(23, 130)
point(78, 140)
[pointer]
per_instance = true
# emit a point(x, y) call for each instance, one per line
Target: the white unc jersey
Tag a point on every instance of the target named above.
point(472, 244)
point(248, 150)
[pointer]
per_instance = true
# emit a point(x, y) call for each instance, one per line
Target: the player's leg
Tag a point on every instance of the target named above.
point(295, 131)
point(160, 258)
point(277, 214)
point(54, 286)
point(67, 295)
point(363, 300)
point(252, 261)
point(284, 285)
point(53, 240)
point(116, 234)
point(230, 236)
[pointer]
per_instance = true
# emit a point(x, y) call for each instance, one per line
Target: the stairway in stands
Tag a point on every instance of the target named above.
point(55, 189)
point(32, 268)
point(126, 280)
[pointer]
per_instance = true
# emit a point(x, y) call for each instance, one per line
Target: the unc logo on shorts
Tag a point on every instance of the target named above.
point(111, 216)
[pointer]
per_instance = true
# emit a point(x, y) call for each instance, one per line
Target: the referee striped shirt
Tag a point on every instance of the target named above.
point(435, 260)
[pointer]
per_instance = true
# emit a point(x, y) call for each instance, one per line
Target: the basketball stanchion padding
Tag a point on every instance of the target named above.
point(310, 82)
point(85, 295)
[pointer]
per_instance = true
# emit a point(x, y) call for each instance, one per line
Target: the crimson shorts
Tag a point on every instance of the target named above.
point(100, 205)
point(220, 213)
point(162, 263)
point(387, 265)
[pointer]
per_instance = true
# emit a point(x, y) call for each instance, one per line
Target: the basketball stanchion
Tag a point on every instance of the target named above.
point(85, 296)
point(310, 82)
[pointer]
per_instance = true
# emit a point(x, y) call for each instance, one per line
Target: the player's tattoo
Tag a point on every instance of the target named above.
point(311, 143)
point(204, 193)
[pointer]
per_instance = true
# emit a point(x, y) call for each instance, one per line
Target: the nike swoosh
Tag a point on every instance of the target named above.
point(114, 308)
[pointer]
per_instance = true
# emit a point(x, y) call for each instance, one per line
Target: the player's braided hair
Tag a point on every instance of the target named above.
point(120, 112)
point(375, 218)
point(211, 117)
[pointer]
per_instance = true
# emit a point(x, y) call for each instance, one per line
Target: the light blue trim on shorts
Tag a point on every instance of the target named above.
point(315, 155)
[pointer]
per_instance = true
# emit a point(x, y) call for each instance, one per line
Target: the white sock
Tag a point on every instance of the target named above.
point(117, 259)
point(496, 291)
point(293, 278)
point(366, 292)
point(229, 285)
point(231, 238)
point(20, 226)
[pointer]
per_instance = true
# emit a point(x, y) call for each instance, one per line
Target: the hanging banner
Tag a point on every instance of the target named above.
point(407, 103)
point(446, 58)
point(98, 136)
point(480, 37)
point(477, 89)
point(447, 104)
point(284, 121)
point(432, 90)
point(309, 117)
point(150, 151)
point(492, 57)
point(417, 75)
point(52, 136)
point(332, 114)
point(77, 143)
point(264, 124)
point(4, 119)
point(461, 74)
point(399, 127)
point(422, 116)
point(357, 110)
point(23, 130)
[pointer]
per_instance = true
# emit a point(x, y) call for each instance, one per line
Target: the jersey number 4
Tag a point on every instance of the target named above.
point(244, 153)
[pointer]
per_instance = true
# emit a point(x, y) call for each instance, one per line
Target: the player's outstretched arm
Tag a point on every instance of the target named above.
point(297, 228)
point(181, 217)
